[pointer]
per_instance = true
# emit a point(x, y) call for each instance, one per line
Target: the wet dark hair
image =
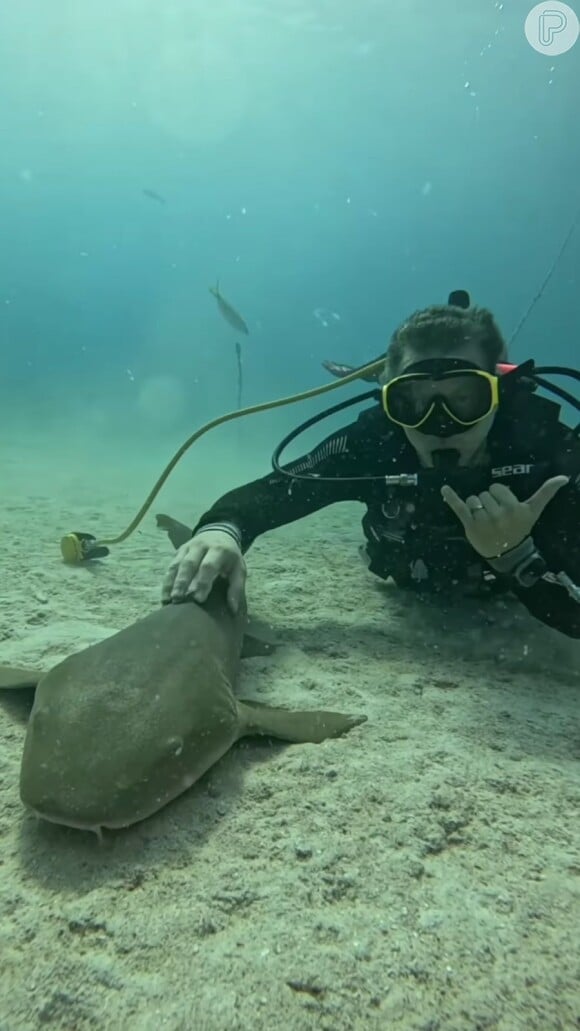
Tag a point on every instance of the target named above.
point(441, 330)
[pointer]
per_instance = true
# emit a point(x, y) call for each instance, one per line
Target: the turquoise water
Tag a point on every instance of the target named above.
point(335, 165)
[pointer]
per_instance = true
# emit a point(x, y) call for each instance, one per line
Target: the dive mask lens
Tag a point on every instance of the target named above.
point(466, 395)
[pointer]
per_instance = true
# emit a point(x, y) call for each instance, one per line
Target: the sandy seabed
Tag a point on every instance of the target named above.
point(421, 873)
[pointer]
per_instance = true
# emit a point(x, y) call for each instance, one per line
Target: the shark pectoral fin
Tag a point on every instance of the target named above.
point(258, 639)
point(299, 727)
point(177, 532)
point(12, 678)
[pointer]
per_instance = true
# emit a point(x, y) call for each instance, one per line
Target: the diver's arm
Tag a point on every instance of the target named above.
point(276, 500)
point(230, 528)
point(548, 579)
point(555, 603)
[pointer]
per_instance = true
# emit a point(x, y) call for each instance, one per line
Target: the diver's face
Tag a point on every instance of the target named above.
point(470, 443)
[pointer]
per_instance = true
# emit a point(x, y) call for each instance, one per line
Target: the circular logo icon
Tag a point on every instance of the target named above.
point(552, 28)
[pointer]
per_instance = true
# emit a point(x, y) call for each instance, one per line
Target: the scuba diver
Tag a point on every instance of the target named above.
point(470, 480)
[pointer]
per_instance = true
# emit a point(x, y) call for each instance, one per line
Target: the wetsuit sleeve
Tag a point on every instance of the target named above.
point(557, 539)
point(276, 500)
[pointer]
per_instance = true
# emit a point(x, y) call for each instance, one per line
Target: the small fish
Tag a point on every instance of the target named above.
point(153, 195)
point(340, 371)
point(230, 314)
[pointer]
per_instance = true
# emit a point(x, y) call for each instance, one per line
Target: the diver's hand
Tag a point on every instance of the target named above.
point(197, 565)
point(495, 521)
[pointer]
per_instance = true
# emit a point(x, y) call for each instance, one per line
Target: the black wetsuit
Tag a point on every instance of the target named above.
point(411, 534)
